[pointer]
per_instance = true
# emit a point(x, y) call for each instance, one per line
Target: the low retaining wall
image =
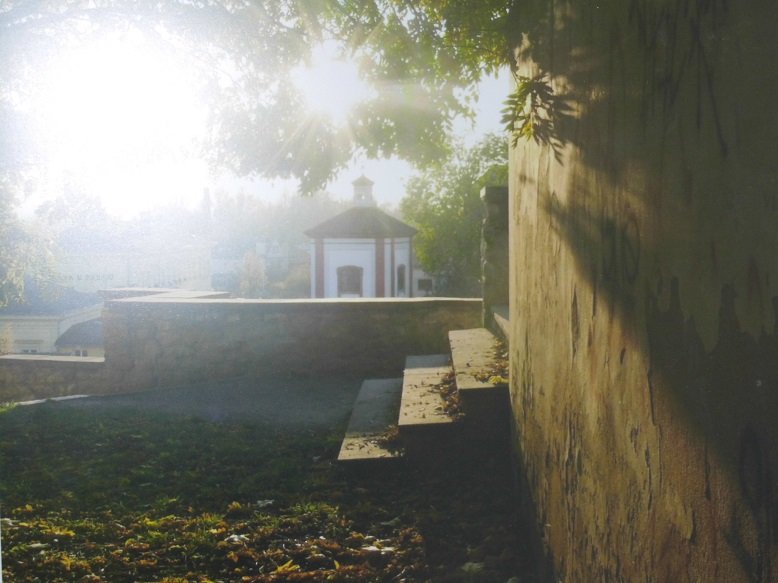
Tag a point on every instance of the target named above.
point(29, 377)
point(157, 342)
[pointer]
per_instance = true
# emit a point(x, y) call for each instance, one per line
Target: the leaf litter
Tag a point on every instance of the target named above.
point(139, 497)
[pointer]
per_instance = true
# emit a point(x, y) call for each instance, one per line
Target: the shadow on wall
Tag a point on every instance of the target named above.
point(735, 382)
point(727, 395)
point(680, 43)
point(676, 92)
point(667, 201)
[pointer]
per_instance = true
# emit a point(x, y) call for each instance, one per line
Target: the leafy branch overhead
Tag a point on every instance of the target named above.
point(532, 112)
point(444, 204)
point(425, 60)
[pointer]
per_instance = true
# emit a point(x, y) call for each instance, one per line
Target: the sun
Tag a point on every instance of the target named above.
point(331, 84)
point(121, 118)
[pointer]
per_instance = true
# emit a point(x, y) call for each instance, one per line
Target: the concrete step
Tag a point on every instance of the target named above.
point(476, 355)
point(423, 405)
point(371, 432)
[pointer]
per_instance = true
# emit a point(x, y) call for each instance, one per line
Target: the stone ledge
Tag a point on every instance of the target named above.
point(53, 358)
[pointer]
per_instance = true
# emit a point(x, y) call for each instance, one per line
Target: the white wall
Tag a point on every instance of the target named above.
point(402, 256)
point(39, 333)
point(361, 253)
point(419, 274)
point(342, 252)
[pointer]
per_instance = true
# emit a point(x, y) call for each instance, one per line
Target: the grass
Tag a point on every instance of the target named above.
point(130, 496)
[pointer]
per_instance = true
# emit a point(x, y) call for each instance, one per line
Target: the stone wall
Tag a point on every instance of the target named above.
point(644, 290)
point(157, 342)
point(154, 342)
point(494, 250)
point(30, 377)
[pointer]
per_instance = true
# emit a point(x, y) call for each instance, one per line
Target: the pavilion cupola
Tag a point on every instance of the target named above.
point(363, 191)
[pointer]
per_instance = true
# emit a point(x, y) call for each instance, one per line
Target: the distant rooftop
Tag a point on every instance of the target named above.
point(89, 333)
point(362, 222)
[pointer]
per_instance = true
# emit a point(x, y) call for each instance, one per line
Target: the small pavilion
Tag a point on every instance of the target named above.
point(362, 252)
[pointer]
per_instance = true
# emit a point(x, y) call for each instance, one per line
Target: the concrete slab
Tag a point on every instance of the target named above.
point(474, 355)
point(374, 414)
point(422, 403)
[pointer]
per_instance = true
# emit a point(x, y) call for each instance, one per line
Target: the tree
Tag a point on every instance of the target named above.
point(252, 279)
point(444, 204)
point(241, 222)
point(425, 57)
point(22, 256)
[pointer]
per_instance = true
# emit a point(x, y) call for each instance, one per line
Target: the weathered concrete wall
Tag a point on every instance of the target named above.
point(644, 290)
point(156, 342)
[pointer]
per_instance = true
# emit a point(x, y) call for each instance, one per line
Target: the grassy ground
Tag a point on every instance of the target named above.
point(129, 495)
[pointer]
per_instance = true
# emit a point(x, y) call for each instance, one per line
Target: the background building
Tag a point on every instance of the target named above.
point(83, 339)
point(362, 252)
point(35, 326)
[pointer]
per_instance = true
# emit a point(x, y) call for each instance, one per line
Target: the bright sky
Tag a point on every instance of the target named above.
point(119, 119)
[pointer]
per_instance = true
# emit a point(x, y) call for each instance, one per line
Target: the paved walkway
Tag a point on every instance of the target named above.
point(290, 403)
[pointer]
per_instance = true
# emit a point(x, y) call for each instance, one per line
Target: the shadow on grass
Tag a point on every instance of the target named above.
point(132, 494)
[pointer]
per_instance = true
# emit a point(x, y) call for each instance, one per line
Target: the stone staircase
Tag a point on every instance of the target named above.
point(440, 398)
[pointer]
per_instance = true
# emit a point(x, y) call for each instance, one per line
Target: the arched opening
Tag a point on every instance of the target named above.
point(349, 281)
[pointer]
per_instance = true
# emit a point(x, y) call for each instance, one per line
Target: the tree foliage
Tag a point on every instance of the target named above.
point(252, 277)
point(242, 223)
point(425, 57)
point(444, 204)
point(24, 253)
point(239, 221)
